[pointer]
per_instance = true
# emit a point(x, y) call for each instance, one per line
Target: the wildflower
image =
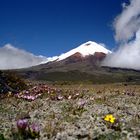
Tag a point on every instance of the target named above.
point(60, 97)
point(81, 103)
point(32, 98)
point(92, 98)
point(39, 94)
point(22, 124)
point(27, 92)
point(110, 118)
point(69, 97)
point(9, 93)
point(34, 130)
point(77, 94)
point(28, 97)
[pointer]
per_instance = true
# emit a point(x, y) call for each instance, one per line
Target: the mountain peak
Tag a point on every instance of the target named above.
point(88, 43)
point(88, 48)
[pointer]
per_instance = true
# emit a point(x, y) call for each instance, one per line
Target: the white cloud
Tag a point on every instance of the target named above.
point(127, 29)
point(13, 58)
point(128, 22)
point(127, 56)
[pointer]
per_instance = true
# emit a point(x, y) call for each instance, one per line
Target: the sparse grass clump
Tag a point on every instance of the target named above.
point(76, 109)
point(109, 136)
point(2, 137)
point(52, 127)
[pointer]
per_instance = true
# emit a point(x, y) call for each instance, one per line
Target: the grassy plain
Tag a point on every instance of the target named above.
point(73, 112)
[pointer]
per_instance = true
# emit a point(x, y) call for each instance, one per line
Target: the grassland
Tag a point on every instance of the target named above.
point(73, 112)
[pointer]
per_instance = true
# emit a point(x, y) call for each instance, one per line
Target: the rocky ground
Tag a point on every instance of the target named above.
point(75, 112)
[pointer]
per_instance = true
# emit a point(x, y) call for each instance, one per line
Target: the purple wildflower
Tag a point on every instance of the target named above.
point(22, 123)
point(81, 103)
point(35, 128)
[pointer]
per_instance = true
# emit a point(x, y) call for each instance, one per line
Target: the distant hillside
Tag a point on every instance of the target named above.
point(82, 73)
point(82, 64)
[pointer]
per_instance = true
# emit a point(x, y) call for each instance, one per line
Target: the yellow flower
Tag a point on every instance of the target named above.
point(110, 118)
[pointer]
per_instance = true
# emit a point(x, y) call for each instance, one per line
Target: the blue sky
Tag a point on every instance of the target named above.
point(51, 27)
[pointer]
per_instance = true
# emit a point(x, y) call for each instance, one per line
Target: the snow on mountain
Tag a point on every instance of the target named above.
point(88, 48)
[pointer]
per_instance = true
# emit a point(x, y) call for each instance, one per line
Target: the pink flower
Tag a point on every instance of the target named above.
point(22, 124)
point(32, 98)
point(35, 128)
point(81, 103)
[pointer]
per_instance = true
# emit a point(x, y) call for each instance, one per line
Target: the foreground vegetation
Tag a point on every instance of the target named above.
point(61, 112)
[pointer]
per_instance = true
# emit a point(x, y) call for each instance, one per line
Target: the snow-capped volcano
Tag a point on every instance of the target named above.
point(87, 57)
point(85, 49)
point(88, 48)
